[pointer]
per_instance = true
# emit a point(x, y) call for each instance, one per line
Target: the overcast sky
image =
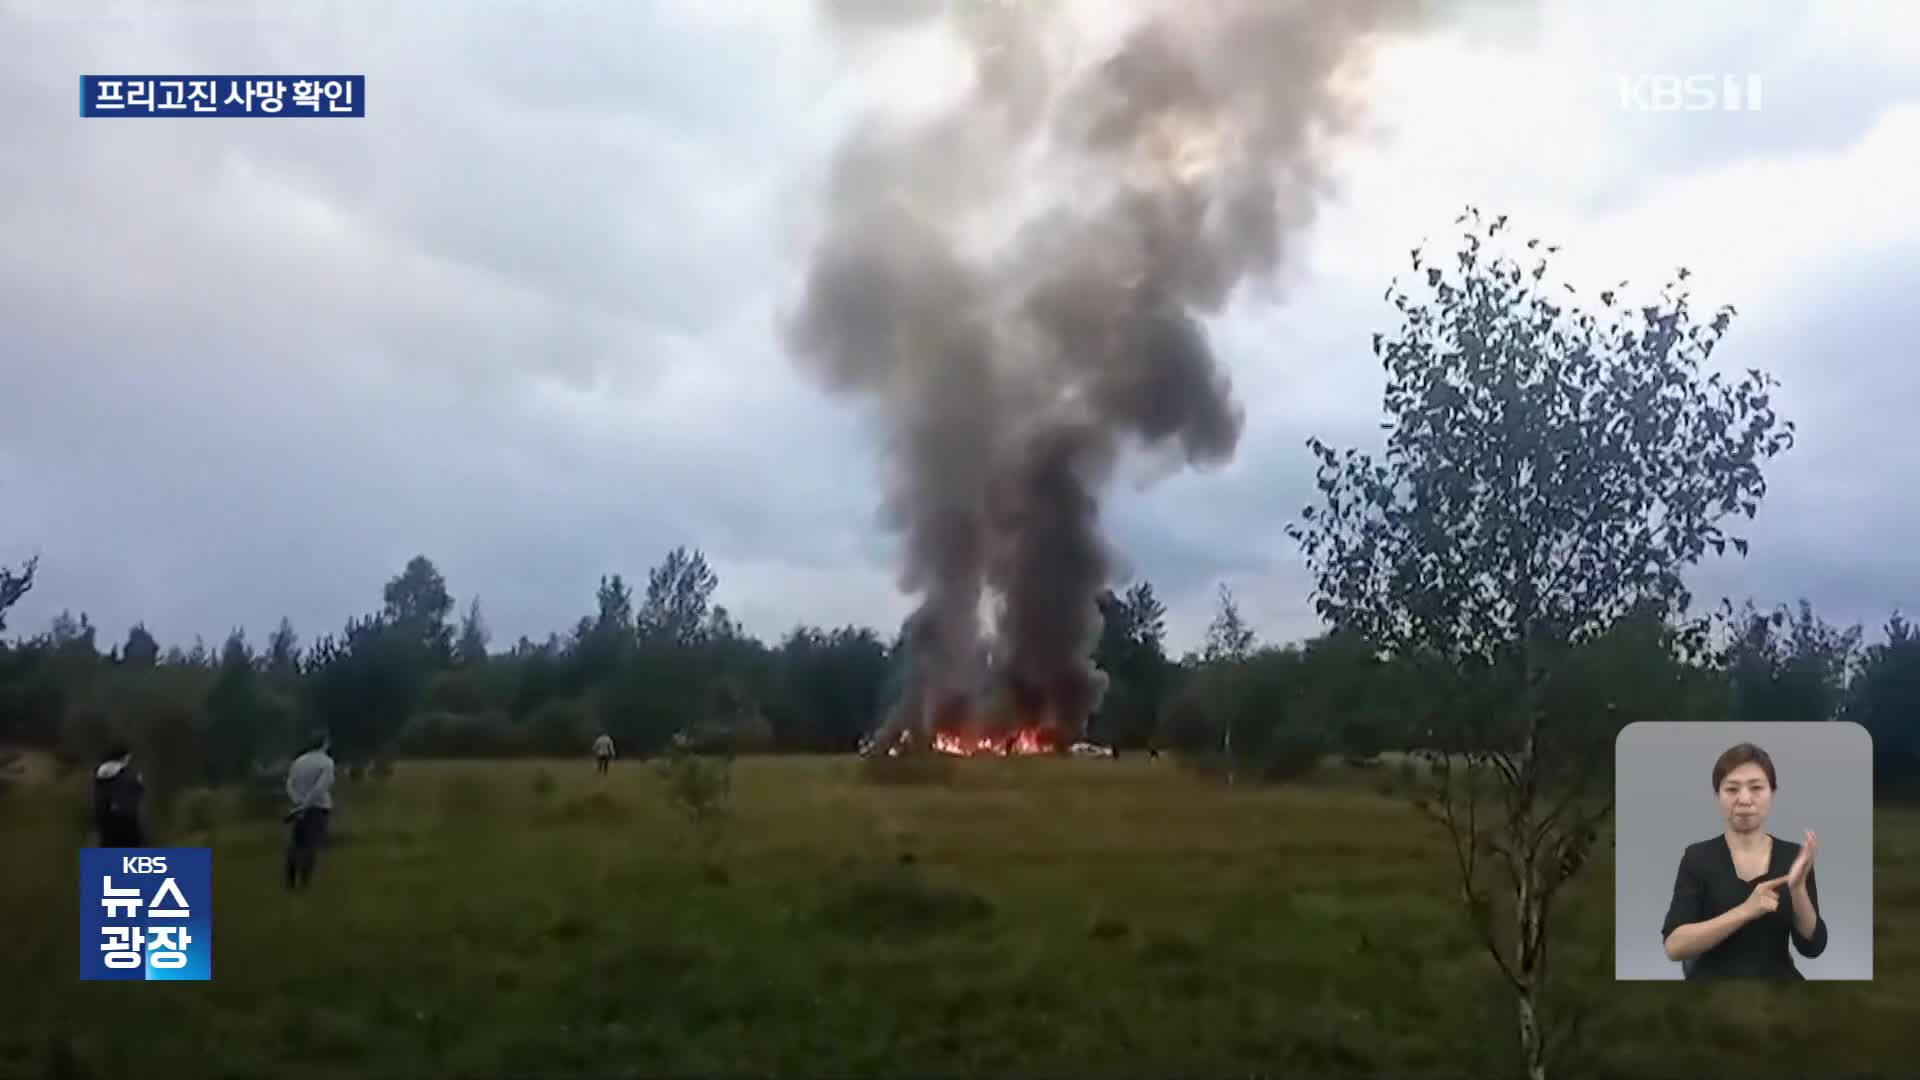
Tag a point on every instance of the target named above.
point(521, 318)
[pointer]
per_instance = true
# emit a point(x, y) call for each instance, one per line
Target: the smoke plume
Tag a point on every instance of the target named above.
point(1017, 284)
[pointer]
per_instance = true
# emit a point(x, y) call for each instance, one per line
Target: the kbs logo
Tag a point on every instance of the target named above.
point(1689, 93)
point(146, 915)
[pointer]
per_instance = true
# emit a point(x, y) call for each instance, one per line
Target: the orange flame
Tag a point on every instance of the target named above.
point(1025, 741)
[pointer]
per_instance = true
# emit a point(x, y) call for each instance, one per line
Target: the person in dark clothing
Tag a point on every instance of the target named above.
point(1740, 897)
point(117, 791)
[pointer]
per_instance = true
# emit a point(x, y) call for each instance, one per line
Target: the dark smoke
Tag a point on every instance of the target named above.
point(1011, 382)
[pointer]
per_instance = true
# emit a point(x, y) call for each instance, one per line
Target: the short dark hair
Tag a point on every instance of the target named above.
point(314, 740)
point(1744, 754)
point(117, 749)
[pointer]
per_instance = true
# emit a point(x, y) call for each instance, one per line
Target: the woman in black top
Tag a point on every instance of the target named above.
point(1740, 896)
point(116, 800)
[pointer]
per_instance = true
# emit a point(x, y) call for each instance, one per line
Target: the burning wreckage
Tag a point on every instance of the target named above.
point(987, 715)
point(1015, 286)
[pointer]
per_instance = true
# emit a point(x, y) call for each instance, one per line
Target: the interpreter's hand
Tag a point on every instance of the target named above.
point(1803, 862)
point(1765, 899)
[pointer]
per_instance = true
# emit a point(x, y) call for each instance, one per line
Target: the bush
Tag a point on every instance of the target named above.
point(457, 693)
point(1186, 727)
point(1293, 754)
point(697, 785)
point(562, 727)
point(700, 788)
point(449, 735)
point(1362, 740)
point(746, 732)
point(159, 711)
point(263, 797)
point(751, 734)
point(84, 735)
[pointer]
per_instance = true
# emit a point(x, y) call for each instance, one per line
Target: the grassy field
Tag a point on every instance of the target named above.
point(1035, 916)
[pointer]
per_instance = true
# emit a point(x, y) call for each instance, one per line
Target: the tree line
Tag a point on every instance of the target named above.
point(409, 678)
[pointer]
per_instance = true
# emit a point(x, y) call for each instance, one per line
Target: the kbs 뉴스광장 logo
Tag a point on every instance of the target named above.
point(146, 914)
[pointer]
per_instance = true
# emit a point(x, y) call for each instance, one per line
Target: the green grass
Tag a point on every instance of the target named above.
point(1044, 916)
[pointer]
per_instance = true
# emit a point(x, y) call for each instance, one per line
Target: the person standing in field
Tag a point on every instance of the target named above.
point(603, 751)
point(310, 789)
point(117, 790)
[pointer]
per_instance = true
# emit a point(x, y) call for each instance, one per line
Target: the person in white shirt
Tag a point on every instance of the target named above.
point(603, 751)
point(310, 789)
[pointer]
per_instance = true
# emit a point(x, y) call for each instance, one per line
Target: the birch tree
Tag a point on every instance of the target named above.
point(1551, 468)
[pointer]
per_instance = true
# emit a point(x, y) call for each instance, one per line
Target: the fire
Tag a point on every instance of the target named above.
point(1023, 741)
point(961, 727)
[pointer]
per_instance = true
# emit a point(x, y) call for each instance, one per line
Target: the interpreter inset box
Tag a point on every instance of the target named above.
point(1743, 851)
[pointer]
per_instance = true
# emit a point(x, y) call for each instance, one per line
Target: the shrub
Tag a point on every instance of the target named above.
point(263, 797)
point(1362, 740)
point(1293, 754)
point(562, 727)
point(454, 736)
point(1187, 726)
point(699, 787)
point(744, 732)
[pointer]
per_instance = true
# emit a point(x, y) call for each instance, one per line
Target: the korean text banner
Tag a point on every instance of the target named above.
point(223, 95)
